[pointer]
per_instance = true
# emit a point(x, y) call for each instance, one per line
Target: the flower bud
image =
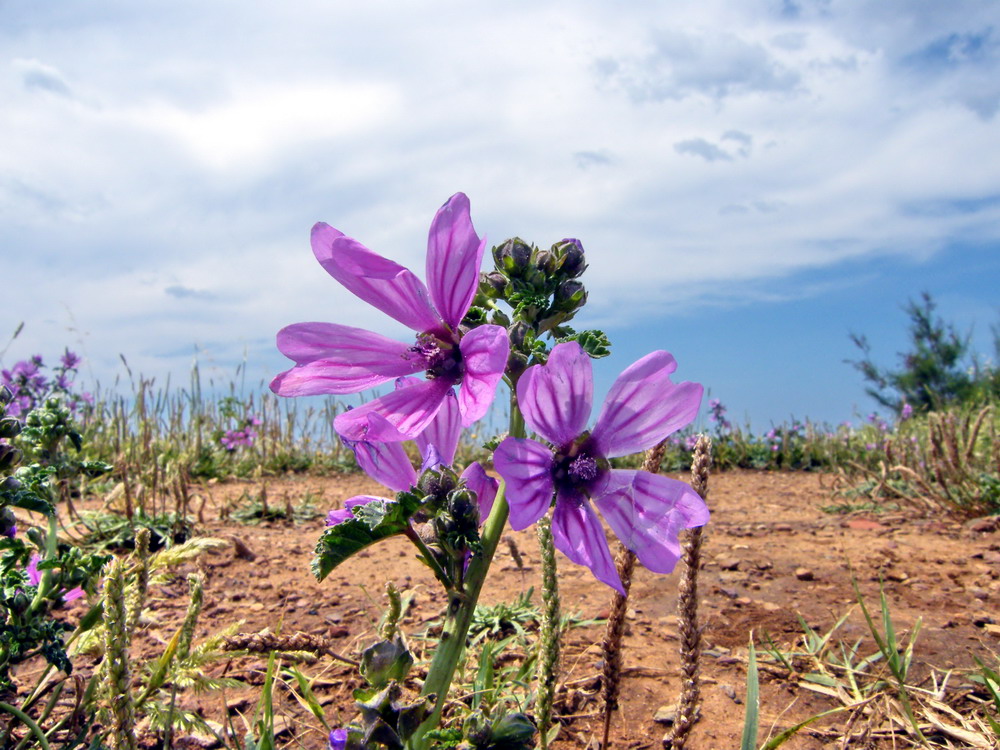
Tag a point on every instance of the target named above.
point(8, 524)
point(9, 457)
point(9, 427)
point(513, 730)
point(571, 252)
point(517, 335)
point(570, 296)
point(19, 603)
point(516, 363)
point(464, 509)
point(6, 396)
point(495, 284)
point(10, 484)
point(512, 256)
point(546, 262)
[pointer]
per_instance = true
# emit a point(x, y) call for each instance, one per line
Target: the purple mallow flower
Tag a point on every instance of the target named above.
point(35, 578)
point(389, 465)
point(645, 510)
point(332, 358)
point(338, 739)
point(70, 359)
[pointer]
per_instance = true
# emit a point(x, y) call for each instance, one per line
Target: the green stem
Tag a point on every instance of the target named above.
point(462, 606)
point(45, 584)
point(429, 558)
point(28, 722)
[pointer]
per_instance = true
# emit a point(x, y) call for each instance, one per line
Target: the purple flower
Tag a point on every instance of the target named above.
point(389, 464)
point(906, 413)
point(338, 739)
point(331, 358)
point(645, 510)
point(69, 359)
point(35, 577)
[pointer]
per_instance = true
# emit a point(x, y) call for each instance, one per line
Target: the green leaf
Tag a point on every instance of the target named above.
point(752, 718)
point(30, 501)
point(594, 342)
point(372, 522)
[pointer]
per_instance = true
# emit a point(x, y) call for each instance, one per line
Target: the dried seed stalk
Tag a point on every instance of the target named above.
point(687, 606)
point(265, 641)
point(615, 629)
point(549, 636)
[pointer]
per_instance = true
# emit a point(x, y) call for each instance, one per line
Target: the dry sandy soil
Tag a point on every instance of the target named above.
point(771, 554)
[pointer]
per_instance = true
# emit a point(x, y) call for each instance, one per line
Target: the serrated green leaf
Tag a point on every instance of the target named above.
point(372, 522)
point(30, 501)
point(594, 342)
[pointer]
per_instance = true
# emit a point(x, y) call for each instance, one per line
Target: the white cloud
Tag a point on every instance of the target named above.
point(163, 162)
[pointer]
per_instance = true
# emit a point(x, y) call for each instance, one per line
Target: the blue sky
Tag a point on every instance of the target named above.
point(752, 179)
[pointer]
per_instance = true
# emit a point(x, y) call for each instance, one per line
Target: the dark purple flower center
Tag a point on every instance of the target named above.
point(577, 467)
point(444, 359)
point(582, 469)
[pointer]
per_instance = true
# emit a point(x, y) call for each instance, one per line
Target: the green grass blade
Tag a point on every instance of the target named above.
point(751, 721)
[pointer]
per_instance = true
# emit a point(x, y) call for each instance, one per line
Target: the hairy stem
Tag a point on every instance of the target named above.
point(461, 606)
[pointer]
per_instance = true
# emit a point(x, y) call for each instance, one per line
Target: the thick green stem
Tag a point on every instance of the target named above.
point(462, 606)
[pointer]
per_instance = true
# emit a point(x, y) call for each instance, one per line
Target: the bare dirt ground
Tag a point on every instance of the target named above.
point(771, 554)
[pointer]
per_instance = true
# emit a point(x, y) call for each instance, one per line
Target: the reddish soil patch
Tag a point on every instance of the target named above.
point(771, 554)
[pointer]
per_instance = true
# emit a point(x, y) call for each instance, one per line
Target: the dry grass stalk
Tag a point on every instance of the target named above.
point(615, 629)
point(265, 642)
point(687, 606)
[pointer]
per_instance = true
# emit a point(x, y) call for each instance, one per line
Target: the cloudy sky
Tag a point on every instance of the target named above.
point(752, 179)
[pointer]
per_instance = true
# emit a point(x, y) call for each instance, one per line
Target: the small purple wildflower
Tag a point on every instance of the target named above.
point(338, 739)
point(331, 358)
point(645, 510)
point(717, 414)
point(35, 577)
point(906, 413)
point(70, 360)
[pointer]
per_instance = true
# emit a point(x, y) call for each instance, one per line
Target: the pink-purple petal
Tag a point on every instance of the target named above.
point(647, 513)
point(339, 359)
point(444, 431)
point(454, 254)
point(643, 407)
point(380, 282)
point(405, 413)
point(485, 487)
point(484, 353)
point(577, 532)
point(556, 398)
point(386, 463)
point(307, 342)
point(526, 468)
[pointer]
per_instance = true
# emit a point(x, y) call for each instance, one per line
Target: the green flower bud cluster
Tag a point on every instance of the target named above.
point(544, 292)
point(541, 285)
point(453, 528)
